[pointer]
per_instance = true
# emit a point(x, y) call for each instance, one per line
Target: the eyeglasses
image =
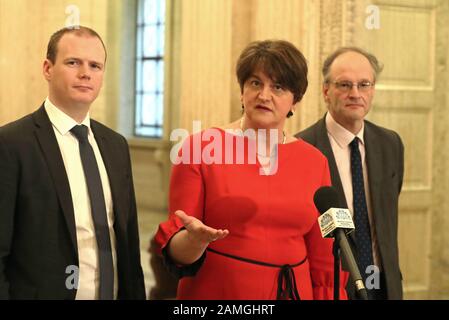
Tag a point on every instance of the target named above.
point(346, 86)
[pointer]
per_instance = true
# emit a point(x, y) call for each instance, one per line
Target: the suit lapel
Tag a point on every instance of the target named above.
point(113, 169)
point(374, 168)
point(52, 154)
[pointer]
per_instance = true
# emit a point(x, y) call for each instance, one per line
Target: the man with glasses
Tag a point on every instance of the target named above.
point(366, 163)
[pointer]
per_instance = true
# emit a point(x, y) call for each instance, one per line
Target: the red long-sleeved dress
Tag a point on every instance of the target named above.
point(271, 219)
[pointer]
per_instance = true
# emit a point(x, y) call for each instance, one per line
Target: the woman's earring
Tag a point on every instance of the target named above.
point(289, 114)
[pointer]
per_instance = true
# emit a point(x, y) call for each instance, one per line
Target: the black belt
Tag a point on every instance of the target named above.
point(286, 279)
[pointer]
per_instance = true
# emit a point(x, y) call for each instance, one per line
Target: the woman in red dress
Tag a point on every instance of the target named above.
point(242, 221)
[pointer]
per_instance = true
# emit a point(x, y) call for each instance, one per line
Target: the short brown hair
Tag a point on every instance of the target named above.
point(375, 64)
point(280, 60)
point(52, 47)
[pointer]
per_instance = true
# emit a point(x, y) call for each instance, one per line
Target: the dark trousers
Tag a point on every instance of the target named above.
point(381, 292)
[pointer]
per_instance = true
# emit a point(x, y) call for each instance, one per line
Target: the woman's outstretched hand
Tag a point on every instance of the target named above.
point(198, 231)
point(189, 244)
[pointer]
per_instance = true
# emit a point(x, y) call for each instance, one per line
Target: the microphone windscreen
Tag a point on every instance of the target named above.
point(326, 198)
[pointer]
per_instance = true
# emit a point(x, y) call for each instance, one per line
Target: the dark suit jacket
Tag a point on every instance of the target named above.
point(385, 164)
point(37, 224)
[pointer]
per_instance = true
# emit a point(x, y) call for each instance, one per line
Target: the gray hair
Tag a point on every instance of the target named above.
point(375, 64)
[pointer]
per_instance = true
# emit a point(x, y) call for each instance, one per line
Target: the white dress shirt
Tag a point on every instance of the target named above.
point(340, 138)
point(88, 284)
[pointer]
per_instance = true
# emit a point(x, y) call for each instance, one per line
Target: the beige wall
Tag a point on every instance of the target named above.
point(204, 39)
point(411, 99)
point(25, 27)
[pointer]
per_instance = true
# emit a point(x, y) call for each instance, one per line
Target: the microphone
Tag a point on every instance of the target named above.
point(336, 222)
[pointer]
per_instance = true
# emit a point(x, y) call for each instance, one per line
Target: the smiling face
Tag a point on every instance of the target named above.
point(349, 108)
point(76, 76)
point(266, 102)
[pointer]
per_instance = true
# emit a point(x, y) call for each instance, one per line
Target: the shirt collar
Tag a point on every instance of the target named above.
point(61, 121)
point(342, 136)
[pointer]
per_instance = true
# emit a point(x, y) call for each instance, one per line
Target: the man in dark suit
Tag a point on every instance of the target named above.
point(370, 190)
point(68, 220)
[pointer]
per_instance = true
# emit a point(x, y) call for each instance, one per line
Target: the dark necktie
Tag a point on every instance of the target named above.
point(98, 208)
point(361, 220)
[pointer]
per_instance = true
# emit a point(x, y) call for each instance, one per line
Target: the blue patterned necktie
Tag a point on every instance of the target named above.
point(99, 216)
point(361, 220)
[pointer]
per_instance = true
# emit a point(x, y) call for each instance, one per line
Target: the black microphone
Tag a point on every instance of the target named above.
point(333, 221)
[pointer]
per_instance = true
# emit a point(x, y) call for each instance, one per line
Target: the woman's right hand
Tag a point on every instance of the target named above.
point(198, 232)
